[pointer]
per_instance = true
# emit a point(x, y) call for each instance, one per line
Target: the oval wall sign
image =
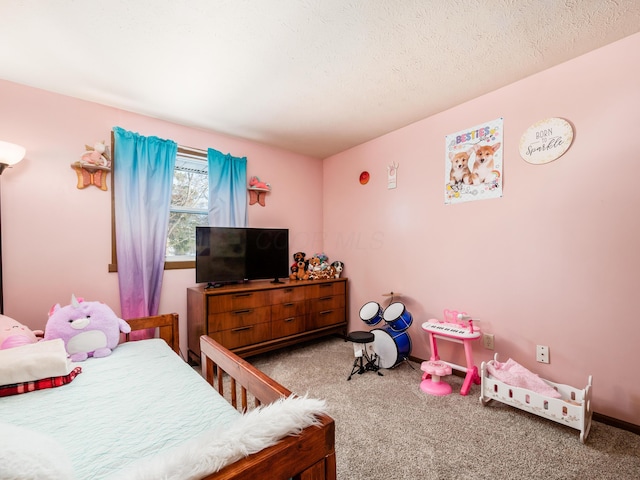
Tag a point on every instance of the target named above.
point(545, 141)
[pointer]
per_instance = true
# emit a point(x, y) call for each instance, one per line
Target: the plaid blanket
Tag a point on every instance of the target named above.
point(17, 388)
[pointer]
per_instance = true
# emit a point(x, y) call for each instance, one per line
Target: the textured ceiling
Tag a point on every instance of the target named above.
point(311, 76)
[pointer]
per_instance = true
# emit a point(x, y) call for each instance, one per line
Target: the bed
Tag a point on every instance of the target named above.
point(571, 408)
point(196, 431)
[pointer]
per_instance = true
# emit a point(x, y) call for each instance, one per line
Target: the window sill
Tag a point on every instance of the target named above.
point(172, 265)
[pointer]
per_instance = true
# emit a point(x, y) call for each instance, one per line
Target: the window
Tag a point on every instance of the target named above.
point(189, 208)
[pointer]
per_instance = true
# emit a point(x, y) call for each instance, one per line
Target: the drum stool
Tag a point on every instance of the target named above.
point(434, 385)
point(360, 339)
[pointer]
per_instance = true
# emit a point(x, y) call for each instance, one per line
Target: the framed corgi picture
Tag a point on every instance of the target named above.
point(473, 163)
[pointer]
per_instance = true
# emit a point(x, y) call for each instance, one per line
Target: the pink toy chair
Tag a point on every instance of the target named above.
point(431, 379)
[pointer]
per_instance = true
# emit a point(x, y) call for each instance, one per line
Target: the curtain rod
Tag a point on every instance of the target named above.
point(191, 149)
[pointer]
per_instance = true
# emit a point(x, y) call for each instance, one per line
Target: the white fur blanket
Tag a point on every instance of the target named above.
point(215, 449)
point(29, 455)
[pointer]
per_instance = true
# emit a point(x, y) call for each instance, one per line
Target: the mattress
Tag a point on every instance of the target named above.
point(139, 401)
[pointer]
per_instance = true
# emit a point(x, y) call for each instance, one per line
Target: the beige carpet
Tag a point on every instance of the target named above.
point(387, 428)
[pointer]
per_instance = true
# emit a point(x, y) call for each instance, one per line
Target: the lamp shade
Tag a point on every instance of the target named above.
point(10, 153)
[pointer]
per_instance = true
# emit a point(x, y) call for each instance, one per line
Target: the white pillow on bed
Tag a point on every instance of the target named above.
point(214, 449)
point(29, 455)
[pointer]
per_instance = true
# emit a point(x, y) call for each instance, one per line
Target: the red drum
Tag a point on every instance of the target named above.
point(371, 313)
point(391, 347)
point(397, 316)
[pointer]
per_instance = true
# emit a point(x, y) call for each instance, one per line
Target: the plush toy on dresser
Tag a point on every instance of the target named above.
point(319, 267)
point(337, 266)
point(299, 267)
point(88, 329)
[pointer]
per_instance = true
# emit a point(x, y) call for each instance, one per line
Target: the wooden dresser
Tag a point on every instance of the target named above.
point(260, 316)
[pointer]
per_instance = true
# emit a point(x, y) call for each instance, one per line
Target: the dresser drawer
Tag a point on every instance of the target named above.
point(287, 326)
point(287, 294)
point(237, 301)
point(242, 336)
point(326, 303)
point(325, 318)
point(325, 289)
point(288, 309)
point(238, 318)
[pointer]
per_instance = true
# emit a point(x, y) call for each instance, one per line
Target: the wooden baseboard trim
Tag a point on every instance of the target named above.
point(614, 422)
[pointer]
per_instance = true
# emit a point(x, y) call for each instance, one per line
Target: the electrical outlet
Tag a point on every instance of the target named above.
point(542, 353)
point(487, 341)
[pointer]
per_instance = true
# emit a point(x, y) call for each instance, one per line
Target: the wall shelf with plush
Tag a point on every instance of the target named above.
point(93, 166)
point(257, 191)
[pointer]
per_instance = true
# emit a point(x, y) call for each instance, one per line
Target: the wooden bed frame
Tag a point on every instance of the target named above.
point(308, 456)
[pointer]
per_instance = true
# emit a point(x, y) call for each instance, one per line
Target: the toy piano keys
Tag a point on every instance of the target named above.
point(459, 328)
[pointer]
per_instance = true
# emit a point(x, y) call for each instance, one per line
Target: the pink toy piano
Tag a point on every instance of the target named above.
point(456, 327)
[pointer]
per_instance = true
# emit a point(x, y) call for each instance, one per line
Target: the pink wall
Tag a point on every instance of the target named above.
point(56, 238)
point(554, 262)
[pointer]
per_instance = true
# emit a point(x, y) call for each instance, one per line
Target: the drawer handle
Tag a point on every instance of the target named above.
point(240, 329)
point(242, 312)
point(238, 295)
point(288, 290)
point(326, 312)
point(290, 319)
point(287, 304)
point(326, 285)
point(324, 299)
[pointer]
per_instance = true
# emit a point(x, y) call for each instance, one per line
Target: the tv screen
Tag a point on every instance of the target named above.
point(236, 254)
point(267, 253)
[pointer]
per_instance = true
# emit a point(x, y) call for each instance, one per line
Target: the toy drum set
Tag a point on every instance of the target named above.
point(392, 343)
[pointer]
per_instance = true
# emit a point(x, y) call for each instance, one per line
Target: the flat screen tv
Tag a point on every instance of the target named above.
point(237, 254)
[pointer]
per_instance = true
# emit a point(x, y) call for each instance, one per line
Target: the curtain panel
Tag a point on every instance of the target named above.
point(227, 189)
point(143, 177)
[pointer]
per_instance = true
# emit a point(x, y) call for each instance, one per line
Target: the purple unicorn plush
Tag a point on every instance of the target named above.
point(88, 329)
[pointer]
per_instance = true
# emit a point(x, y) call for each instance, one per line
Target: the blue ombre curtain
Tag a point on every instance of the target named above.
point(227, 189)
point(143, 176)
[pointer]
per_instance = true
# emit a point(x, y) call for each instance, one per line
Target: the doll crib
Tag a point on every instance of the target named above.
point(572, 409)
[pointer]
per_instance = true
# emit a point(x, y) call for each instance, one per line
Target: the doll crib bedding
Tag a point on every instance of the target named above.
point(513, 385)
point(139, 413)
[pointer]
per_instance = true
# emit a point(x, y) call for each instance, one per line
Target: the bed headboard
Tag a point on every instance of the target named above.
point(167, 325)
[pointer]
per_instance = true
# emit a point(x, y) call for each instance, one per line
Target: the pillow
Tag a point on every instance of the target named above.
point(24, 387)
point(29, 455)
point(34, 361)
